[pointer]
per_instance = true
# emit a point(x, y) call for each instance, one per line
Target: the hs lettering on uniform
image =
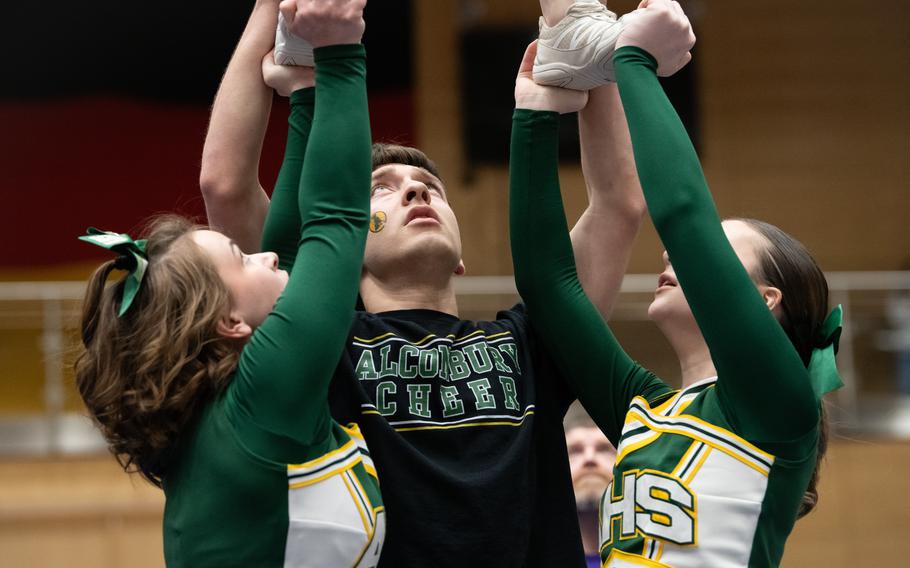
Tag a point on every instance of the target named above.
point(648, 503)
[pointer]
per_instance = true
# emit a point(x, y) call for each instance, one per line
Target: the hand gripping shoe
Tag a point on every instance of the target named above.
point(577, 53)
point(291, 49)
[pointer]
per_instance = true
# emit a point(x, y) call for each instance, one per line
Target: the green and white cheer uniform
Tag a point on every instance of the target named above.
point(267, 477)
point(709, 476)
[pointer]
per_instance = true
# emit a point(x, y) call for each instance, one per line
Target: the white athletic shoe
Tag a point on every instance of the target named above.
point(291, 49)
point(577, 53)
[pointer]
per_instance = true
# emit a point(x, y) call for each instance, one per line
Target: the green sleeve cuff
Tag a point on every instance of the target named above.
point(632, 55)
point(535, 116)
point(346, 51)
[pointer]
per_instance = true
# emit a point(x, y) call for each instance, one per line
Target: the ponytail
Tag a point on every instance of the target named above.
point(810, 497)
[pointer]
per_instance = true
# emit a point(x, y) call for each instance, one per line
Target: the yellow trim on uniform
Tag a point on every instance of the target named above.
point(608, 496)
point(645, 545)
point(430, 336)
point(369, 543)
point(659, 409)
point(633, 559)
point(500, 334)
point(733, 439)
point(659, 493)
point(468, 425)
point(363, 518)
point(363, 550)
point(716, 429)
point(660, 551)
point(682, 407)
point(366, 498)
point(626, 450)
point(707, 441)
point(628, 420)
point(739, 440)
point(472, 334)
point(635, 473)
point(685, 458)
point(371, 470)
point(353, 430)
point(370, 412)
point(693, 509)
point(346, 447)
point(377, 338)
point(697, 466)
point(326, 475)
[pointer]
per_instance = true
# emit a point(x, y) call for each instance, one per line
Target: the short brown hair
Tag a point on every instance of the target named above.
point(384, 154)
point(145, 376)
point(577, 417)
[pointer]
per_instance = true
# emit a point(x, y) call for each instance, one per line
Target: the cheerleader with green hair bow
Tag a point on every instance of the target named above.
point(207, 369)
point(716, 473)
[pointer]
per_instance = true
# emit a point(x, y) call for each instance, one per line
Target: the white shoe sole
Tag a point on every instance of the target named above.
point(559, 74)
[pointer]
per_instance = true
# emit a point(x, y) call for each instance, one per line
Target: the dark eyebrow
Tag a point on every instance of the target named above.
point(435, 181)
point(427, 177)
point(382, 171)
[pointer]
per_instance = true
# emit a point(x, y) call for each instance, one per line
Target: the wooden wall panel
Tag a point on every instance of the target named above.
point(803, 118)
point(863, 516)
point(806, 123)
point(78, 513)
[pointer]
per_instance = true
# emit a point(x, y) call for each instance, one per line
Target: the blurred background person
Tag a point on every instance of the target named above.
point(591, 457)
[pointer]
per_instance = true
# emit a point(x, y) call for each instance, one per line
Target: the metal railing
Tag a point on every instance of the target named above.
point(52, 308)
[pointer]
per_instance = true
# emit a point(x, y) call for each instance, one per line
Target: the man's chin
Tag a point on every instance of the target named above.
point(590, 487)
point(430, 249)
point(588, 502)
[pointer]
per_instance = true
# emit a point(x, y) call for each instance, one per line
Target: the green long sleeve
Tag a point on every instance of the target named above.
point(603, 376)
point(279, 394)
point(763, 386)
point(282, 224)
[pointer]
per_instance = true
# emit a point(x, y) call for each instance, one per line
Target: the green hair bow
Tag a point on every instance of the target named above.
point(822, 367)
point(133, 258)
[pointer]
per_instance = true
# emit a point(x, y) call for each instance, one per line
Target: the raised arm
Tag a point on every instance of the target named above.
point(235, 201)
point(281, 232)
point(760, 375)
point(603, 236)
point(284, 372)
point(603, 377)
